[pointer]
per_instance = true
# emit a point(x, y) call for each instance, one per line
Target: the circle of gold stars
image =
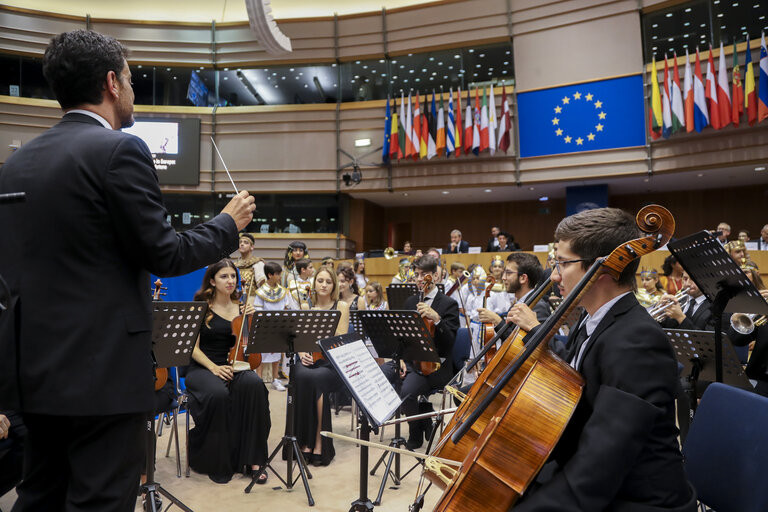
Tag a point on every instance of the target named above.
point(577, 96)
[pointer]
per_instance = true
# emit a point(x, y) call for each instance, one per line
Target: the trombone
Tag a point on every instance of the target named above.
point(658, 311)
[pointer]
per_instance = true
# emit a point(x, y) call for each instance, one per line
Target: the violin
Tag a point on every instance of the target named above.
point(487, 330)
point(241, 326)
point(161, 374)
point(427, 367)
point(513, 416)
point(316, 356)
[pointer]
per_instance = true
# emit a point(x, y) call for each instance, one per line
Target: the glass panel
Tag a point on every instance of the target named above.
point(279, 85)
point(142, 77)
point(33, 83)
point(10, 74)
point(738, 20)
point(676, 29)
point(171, 84)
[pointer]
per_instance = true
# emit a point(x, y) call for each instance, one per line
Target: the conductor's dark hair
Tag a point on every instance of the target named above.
point(426, 263)
point(76, 64)
point(271, 268)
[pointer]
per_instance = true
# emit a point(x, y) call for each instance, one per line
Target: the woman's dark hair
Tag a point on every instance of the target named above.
point(349, 275)
point(302, 264)
point(296, 244)
point(206, 291)
point(76, 64)
point(669, 262)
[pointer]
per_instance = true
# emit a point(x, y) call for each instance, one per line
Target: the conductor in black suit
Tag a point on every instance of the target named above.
point(78, 362)
point(619, 451)
point(444, 312)
point(457, 244)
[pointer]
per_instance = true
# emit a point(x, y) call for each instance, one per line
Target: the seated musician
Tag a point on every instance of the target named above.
point(695, 314)
point(651, 290)
point(737, 250)
point(757, 338)
point(522, 274)
point(374, 297)
point(315, 379)
point(406, 376)
point(230, 409)
point(619, 451)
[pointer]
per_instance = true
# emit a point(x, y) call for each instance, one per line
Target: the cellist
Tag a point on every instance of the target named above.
point(620, 451)
point(409, 381)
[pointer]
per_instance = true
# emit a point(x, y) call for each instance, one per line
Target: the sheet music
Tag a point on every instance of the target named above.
point(366, 380)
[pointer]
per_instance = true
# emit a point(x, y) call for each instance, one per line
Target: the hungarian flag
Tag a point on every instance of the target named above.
point(440, 140)
point(410, 148)
point(432, 122)
point(476, 142)
point(700, 111)
point(762, 96)
point(484, 130)
point(468, 131)
point(666, 105)
point(424, 140)
point(737, 108)
point(450, 132)
point(750, 95)
point(678, 112)
point(688, 94)
point(711, 94)
point(416, 131)
point(723, 94)
point(387, 134)
point(394, 140)
point(655, 121)
point(505, 122)
point(459, 127)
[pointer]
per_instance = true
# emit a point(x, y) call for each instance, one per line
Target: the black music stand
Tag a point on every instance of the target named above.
point(725, 285)
point(289, 332)
point(369, 388)
point(175, 327)
point(397, 335)
point(398, 293)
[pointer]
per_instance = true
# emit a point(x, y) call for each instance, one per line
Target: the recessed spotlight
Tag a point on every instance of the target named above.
point(488, 190)
point(445, 192)
point(699, 175)
point(761, 168)
point(405, 194)
point(543, 198)
point(531, 188)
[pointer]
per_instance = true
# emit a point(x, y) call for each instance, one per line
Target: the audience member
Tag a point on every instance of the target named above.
point(723, 232)
point(493, 242)
point(762, 240)
point(457, 244)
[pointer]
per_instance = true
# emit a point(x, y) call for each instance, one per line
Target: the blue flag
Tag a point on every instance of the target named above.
point(605, 114)
point(387, 134)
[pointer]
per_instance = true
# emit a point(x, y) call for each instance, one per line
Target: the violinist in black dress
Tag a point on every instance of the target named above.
point(230, 409)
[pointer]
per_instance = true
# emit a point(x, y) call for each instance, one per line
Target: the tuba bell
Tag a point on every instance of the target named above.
point(389, 253)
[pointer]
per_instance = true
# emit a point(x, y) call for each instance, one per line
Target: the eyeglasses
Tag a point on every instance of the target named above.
point(563, 263)
point(510, 272)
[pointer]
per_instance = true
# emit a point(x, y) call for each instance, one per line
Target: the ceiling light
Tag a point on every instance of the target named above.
point(530, 188)
point(457, 56)
point(445, 192)
point(669, 15)
point(544, 198)
point(405, 194)
point(362, 143)
point(488, 190)
point(761, 168)
point(431, 58)
point(699, 175)
point(357, 62)
point(139, 66)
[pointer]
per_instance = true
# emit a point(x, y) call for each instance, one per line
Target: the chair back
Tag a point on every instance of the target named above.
point(726, 449)
point(461, 348)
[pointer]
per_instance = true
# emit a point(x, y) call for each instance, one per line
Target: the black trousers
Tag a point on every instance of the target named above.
point(12, 453)
point(81, 463)
point(409, 388)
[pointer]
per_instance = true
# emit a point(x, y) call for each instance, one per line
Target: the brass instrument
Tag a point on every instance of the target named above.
point(658, 311)
point(389, 253)
point(647, 299)
point(745, 323)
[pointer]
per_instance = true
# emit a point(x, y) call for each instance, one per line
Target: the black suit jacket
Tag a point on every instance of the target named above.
point(701, 320)
point(445, 334)
point(761, 245)
point(83, 244)
point(462, 247)
point(620, 450)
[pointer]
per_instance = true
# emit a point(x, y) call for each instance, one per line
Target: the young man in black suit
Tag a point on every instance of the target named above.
point(619, 451)
point(78, 363)
point(694, 315)
point(444, 312)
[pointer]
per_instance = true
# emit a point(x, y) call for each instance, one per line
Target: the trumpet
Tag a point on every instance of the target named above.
point(658, 311)
point(745, 323)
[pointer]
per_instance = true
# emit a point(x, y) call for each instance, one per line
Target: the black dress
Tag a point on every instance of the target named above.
point(231, 418)
point(312, 382)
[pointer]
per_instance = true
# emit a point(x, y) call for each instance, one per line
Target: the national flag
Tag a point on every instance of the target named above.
point(459, 126)
point(432, 122)
point(505, 123)
point(476, 142)
point(688, 94)
point(655, 121)
point(492, 122)
point(762, 91)
point(440, 140)
point(468, 124)
point(416, 131)
point(394, 140)
point(401, 129)
point(750, 96)
point(700, 111)
point(678, 111)
point(409, 145)
point(387, 134)
point(424, 140)
point(723, 94)
point(666, 106)
point(737, 107)
point(450, 132)
point(711, 94)
point(484, 130)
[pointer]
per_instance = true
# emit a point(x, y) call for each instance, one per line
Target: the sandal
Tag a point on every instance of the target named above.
point(262, 477)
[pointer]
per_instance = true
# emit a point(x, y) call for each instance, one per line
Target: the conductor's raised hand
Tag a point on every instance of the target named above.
point(241, 208)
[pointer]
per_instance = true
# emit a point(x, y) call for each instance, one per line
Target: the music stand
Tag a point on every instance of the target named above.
point(289, 332)
point(377, 400)
point(695, 350)
point(398, 293)
point(397, 335)
point(720, 279)
point(175, 328)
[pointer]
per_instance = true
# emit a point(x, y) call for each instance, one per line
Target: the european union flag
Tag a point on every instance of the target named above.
point(605, 114)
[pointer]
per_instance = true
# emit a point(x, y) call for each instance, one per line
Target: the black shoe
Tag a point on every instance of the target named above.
point(416, 436)
point(317, 460)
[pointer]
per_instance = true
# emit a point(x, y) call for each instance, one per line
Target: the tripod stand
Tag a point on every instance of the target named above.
point(175, 327)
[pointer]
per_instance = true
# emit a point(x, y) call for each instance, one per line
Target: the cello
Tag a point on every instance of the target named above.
point(487, 331)
point(161, 374)
point(531, 401)
point(241, 326)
